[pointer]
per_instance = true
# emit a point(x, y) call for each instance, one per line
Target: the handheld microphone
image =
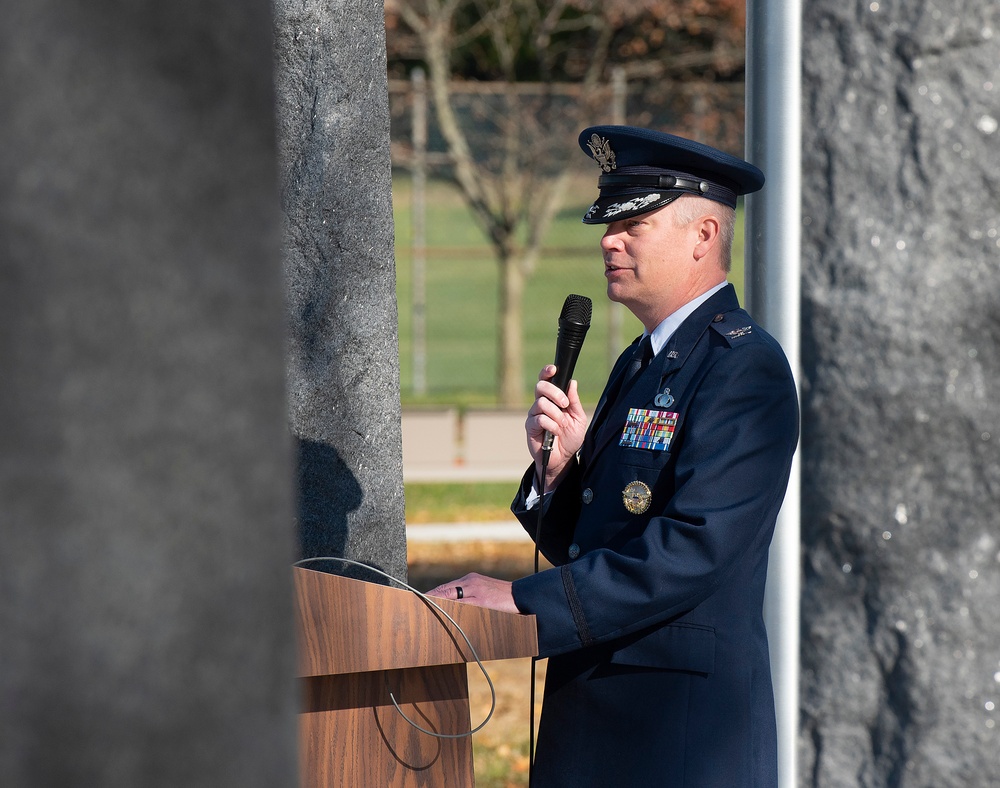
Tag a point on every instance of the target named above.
point(574, 320)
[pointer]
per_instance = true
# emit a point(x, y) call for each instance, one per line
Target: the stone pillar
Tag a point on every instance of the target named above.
point(333, 121)
point(901, 389)
point(145, 466)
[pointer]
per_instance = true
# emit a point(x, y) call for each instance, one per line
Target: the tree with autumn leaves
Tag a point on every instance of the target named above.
point(510, 148)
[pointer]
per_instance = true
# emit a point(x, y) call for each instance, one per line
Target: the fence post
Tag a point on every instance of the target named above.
point(418, 210)
point(616, 312)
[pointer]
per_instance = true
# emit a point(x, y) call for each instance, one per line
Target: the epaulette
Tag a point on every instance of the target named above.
point(733, 326)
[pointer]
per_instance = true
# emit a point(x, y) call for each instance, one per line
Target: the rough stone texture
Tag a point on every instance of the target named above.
point(901, 377)
point(145, 463)
point(333, 121)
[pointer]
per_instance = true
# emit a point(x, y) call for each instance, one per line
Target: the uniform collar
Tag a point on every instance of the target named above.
point(677, 348)
point(665, 330)
point(683, 340)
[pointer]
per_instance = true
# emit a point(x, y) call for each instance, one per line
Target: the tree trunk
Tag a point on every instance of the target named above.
point(510, 307)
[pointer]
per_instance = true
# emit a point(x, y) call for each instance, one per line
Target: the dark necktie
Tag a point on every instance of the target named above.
point(641, 357)
point(640, 360)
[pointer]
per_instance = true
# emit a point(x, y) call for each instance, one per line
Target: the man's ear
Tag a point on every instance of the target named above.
point(709, 230)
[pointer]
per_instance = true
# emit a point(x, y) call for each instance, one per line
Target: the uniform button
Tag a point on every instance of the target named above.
point(718, 318)
point(574, 551)
point(588, 495)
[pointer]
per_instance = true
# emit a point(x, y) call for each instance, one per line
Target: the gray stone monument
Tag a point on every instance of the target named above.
point(333, 121)
point(146, 497)
point(901, 395)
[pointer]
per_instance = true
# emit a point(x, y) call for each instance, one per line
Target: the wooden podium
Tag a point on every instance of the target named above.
point(360, 641)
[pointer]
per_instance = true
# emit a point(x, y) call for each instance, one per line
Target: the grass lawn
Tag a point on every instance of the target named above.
point(443, 502)
point(462, 284)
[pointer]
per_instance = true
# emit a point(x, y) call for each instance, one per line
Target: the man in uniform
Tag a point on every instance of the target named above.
point(657, 516)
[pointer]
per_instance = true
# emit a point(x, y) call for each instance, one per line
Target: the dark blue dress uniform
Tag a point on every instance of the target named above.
point(658, 671)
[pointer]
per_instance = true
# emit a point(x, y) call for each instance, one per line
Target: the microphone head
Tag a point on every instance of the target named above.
point(577, 309)
point(574, 322)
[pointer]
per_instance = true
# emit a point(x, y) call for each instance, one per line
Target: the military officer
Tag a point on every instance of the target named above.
point(657, 516)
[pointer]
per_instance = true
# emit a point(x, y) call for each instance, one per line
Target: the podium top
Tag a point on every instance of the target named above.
point(350, 626)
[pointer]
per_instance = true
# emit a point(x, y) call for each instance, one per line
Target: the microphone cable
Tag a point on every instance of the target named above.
point(546, 451)
point(574, 322)
point(429, 601)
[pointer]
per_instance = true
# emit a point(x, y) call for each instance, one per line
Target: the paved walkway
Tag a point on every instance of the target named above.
point(442, 444)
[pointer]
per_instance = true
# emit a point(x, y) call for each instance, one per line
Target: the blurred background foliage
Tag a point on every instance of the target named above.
point(490, 95)
point(503, 183)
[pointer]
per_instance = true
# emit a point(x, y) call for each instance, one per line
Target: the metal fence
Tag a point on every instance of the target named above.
point(712, 112)
point(547, 124)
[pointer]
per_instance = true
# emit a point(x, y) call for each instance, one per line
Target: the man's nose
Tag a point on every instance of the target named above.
point(611, 240)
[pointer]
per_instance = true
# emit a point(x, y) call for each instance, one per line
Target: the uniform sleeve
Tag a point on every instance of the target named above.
point(733, 461)
point(558, 510)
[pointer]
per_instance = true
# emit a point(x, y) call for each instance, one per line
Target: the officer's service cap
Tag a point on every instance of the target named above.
point(642, 170)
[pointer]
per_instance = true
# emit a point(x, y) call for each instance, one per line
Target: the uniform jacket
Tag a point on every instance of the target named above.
point(658, 670)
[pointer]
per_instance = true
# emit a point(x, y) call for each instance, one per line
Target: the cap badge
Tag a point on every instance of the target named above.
point(637, 497)
point(600, 147)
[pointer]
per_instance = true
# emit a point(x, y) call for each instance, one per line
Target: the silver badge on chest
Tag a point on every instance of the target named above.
point(664, 399)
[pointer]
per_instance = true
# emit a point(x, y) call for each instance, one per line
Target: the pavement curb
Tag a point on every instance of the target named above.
point(467, 532)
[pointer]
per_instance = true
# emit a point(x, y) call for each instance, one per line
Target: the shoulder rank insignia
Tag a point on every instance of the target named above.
point(637, 497)
point(603, 155)
point(736, 333)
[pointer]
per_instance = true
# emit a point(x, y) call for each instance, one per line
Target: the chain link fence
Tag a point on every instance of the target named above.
point(529, 130)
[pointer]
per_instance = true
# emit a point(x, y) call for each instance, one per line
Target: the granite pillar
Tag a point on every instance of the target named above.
point(343, 362)
point(901, 385)
point(145, 464)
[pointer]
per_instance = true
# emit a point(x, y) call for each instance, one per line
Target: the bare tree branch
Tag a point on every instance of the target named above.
point(509, 149)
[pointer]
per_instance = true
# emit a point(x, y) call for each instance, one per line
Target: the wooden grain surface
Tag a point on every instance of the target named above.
point(351, 735)
point(348, 626)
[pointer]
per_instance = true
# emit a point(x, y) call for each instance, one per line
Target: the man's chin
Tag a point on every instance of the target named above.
point(615, 293)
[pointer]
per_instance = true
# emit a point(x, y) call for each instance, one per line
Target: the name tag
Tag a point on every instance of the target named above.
point(648, 429)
